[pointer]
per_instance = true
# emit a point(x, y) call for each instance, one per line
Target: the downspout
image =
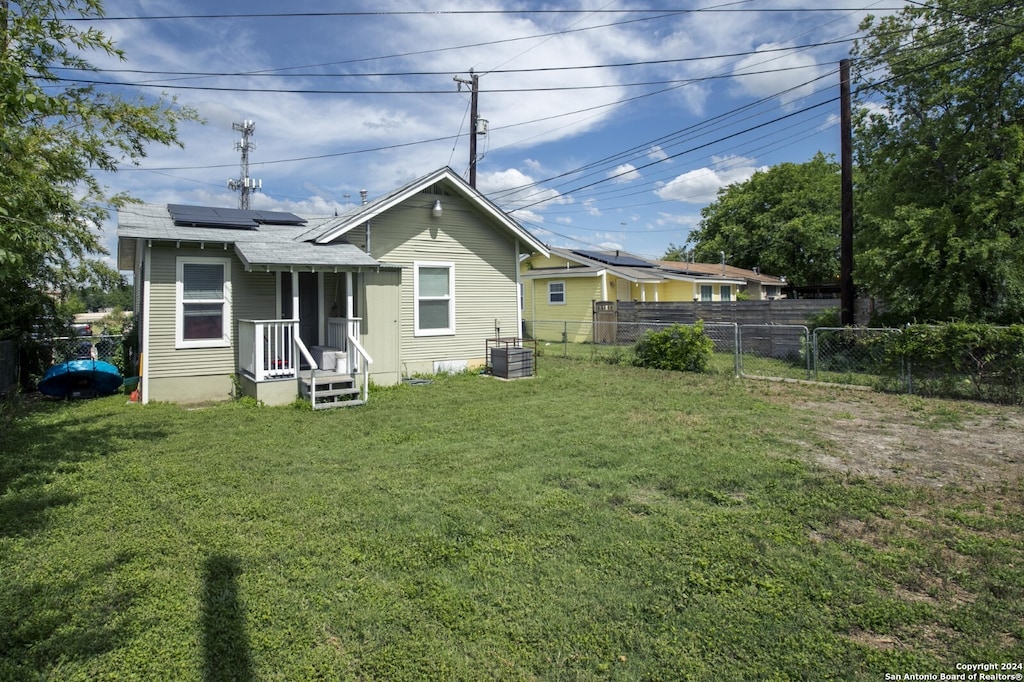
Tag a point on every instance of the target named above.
point(519, 297)
point(146, 267)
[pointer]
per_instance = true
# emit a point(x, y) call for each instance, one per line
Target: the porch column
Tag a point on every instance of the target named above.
point(295, 295)
point(349, 300)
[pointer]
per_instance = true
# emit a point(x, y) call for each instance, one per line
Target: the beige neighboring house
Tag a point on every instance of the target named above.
point(756, 285)
point(564, 284)
point(280, 305)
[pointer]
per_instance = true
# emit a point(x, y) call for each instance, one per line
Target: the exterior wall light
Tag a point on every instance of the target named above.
point(437, 210)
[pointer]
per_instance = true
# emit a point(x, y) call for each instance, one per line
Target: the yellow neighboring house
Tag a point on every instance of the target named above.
point(563, 286)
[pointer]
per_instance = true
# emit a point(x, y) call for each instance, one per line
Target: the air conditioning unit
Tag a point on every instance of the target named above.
point(512, 362)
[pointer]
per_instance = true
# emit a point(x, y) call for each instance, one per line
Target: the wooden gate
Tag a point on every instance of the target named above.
point(605, 322)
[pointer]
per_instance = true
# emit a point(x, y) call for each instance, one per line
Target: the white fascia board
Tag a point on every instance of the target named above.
point(561, 274)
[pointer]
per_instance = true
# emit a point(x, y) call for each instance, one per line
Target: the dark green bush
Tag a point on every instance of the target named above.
point(679, 347)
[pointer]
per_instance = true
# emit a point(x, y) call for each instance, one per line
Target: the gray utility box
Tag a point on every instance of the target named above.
point(512, 362)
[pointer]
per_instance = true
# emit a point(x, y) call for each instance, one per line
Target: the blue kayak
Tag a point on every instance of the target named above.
point(80, 378)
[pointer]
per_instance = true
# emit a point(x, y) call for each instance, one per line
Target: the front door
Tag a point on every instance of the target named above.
point(309, 305)
point(309, 308)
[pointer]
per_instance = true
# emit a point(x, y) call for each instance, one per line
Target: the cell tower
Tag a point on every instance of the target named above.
point(245, 184)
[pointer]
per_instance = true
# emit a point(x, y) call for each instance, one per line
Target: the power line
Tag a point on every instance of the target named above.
point(560, 88)
point(468, 12)
point(545, 69)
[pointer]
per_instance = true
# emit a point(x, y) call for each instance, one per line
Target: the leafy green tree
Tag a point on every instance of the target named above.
point(676, 252)
point(53, 133)
point(940, 148)
point(784, 221)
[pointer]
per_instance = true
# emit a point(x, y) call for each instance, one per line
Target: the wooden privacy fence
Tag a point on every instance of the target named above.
point(783, 311)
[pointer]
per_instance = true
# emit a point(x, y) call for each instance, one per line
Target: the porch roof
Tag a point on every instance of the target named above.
point(274, 256)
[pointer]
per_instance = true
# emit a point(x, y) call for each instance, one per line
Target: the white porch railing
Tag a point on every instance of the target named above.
point(343, 333)
point(266, 348)
point(271, 349)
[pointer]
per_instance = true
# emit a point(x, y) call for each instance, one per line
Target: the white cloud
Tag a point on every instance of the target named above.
point(626, 172)
point(790, 73)
point(671, 219)
point(511, 189)
point(701, 186)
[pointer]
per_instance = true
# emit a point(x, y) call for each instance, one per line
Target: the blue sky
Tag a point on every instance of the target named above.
point(611, 123)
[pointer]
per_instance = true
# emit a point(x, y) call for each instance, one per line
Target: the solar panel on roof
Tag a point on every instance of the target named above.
point(279, 218)
point(625, 261)
point(233, 218)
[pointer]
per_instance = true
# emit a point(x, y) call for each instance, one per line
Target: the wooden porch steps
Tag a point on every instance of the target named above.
point(332, 390)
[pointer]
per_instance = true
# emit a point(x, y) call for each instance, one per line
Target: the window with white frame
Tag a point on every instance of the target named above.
point(556, 293)
point(725, 293)
point(203, 302)
point(434, 291)
point(707, 292)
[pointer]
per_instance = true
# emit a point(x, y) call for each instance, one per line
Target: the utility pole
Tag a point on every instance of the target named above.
point(478, 126)
point(846, 290)
point(245, 184)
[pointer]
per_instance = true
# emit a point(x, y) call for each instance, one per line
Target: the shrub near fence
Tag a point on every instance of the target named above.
point(963, 360)
point(957, 360)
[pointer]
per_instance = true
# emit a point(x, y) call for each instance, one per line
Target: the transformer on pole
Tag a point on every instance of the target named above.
point(478, 126)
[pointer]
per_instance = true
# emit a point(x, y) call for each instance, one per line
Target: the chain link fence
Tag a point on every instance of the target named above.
point(44, 353)
point(849, 355)
point(613, 342)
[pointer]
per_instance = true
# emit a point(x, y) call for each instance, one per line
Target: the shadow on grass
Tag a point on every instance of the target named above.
point(50, 438)
point(47, 623)
point(226, 653)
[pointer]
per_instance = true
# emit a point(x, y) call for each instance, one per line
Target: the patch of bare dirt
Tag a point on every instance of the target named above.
point(920, 441)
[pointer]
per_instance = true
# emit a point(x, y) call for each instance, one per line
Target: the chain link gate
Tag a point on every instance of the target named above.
point(774, 351)
point(858, 355)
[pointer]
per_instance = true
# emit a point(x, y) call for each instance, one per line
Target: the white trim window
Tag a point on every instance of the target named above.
point(725, 292)
point(203, 302)
point(707, 292)
point(434, 293)
point(556, 293)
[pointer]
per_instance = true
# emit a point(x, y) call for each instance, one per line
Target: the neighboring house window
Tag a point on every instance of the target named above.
point(203, 298)
point(771, 291)
point(726, 293)
point(706, 292)
point(556, 293)
point(435, 299)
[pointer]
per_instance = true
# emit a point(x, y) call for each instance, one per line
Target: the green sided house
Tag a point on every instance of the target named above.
point(561, 287)
point(279, 305)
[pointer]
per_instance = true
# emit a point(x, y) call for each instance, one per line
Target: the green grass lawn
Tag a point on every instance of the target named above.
point(593, 522)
